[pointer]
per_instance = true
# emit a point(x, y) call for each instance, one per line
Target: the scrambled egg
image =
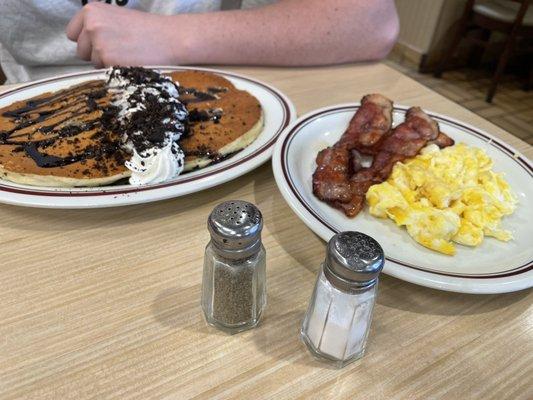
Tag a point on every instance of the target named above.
point(445, 196)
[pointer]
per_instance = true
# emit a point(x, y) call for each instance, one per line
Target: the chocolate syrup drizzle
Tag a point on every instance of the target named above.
point(60, 116)
point(57, 114)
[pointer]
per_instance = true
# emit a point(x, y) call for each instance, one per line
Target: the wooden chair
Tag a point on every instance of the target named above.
point(511, 17)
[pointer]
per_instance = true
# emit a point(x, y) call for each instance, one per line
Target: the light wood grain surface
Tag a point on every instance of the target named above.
point(105, 304)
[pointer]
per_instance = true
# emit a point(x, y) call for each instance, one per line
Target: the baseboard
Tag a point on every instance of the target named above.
point(407, 53)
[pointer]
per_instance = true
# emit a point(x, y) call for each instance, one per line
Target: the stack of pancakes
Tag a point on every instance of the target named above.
point(62, 139)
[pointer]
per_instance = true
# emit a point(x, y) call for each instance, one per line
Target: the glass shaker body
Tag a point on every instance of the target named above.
point(338, 318)
point(337, 323)
point(234, 291)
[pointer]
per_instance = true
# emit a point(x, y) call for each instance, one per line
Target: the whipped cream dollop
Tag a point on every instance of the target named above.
point(151, 119)
point(156, 165)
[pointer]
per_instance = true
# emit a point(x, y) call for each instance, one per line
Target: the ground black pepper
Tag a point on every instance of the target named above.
point(233, 299)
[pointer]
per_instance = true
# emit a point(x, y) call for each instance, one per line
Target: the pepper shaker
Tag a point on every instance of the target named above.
point(338, 318)
point(234, 276)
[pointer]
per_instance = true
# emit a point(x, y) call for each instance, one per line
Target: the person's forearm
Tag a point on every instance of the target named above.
point(290, 32)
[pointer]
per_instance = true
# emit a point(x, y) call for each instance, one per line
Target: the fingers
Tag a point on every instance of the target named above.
point(77, 31)
point(75, 26)
point(89, 28)
point(96, 59)
point(84, 46)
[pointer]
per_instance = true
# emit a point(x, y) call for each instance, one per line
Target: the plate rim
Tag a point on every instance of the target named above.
point(254, 159)
point(518, 277)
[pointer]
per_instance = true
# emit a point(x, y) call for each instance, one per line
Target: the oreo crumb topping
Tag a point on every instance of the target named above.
point(147, 109)
point(214, 115)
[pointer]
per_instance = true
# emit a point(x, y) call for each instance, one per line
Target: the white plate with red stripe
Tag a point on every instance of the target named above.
point(493, 267)
point(278, 112)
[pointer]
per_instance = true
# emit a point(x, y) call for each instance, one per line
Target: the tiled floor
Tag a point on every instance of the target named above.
point(511, 109)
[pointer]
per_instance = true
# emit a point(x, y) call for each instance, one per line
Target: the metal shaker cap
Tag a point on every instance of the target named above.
point(353, 261)
point(235, 227)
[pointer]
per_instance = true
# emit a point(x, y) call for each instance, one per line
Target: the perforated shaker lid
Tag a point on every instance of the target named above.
point(353, 260)
point(235, 227)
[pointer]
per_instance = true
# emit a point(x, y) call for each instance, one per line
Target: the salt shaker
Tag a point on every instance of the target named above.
point(234, 277)
point(338, 318)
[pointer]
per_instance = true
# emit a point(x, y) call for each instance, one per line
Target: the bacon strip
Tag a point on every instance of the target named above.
point(405, 141)
point(442, 141)
point(335, 165)
point(369, 125)
point(331, 180)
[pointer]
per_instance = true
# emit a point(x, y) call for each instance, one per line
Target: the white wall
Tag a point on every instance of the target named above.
point(418, 21)
point(426, 25)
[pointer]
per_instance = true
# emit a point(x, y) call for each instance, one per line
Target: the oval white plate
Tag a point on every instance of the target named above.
point(278, 113)
point(493, 267)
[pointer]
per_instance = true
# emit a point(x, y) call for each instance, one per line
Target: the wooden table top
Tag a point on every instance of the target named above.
point(102, 304)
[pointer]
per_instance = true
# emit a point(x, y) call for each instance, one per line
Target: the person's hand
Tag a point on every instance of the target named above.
point(109, 35)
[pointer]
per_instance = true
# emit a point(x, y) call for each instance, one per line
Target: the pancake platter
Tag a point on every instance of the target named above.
point(138, 125)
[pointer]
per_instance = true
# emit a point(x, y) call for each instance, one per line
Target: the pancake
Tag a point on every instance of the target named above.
point(63, 139)
point(223, 119)
point(58, 139)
